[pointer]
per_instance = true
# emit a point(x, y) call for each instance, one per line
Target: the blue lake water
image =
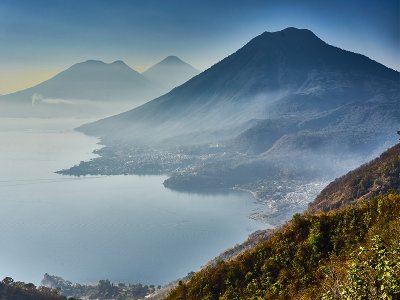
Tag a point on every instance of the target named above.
point(122, 228)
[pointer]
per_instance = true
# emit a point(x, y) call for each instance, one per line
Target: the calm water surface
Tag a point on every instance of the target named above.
point(124, 228)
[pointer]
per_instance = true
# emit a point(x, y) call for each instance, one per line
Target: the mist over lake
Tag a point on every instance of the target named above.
point(123, 228)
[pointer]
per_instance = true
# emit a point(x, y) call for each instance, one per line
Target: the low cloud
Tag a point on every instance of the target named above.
point(39, 99)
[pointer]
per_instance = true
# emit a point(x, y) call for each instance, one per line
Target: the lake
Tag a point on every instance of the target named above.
point(122, 228)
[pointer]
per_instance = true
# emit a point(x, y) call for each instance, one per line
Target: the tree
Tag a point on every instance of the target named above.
point(375, 273)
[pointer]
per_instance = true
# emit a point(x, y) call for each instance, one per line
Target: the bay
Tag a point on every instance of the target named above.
point(121, 228)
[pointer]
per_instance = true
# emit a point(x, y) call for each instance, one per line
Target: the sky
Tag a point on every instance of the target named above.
point(39, 38)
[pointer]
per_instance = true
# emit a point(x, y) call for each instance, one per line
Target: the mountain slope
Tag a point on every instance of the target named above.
point(290, 73)
point(317, 256)
point(91, 80)
point(170, 72)
point(374, 178)
point(286, 106)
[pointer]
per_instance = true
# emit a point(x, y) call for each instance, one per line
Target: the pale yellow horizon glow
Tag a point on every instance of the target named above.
point(142, 68)
point(12, 80)
point(15, 80)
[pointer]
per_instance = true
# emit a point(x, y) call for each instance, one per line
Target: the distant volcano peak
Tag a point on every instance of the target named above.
point(99, 63)
point(295, 30)
point(91, 62)
point(119, 63)
point(290, 34)
point(172, 59)
point(171, 72)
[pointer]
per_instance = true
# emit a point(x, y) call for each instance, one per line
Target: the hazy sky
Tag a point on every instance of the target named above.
point(39, 38)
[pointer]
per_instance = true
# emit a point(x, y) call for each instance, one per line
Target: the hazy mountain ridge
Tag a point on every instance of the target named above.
point(91, 80)
point(275, 74)
point(86, 85)
point(88, 88)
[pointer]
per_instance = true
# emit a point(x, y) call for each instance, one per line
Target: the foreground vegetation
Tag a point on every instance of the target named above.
point(17, 290)
point(345, 246)
point(352, 253)
point(377, 177)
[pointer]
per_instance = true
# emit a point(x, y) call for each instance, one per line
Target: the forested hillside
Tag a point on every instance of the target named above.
point(349, 253)
point(371, 179)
